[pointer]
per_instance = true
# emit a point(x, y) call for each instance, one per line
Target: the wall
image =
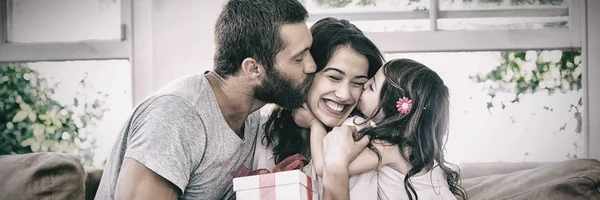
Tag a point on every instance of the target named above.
point(172, 39)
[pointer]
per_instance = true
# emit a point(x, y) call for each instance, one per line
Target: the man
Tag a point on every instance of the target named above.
point(185, 140)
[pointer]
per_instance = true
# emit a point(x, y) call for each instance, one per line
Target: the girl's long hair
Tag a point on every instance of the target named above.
point(422, 133)
point(281, 132)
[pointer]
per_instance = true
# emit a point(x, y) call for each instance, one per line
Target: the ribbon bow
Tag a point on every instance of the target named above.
point(287, 164)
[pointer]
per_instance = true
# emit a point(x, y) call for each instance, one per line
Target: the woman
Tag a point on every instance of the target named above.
point(346, 59)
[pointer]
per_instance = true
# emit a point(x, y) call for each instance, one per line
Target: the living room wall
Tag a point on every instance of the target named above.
point(171, 39)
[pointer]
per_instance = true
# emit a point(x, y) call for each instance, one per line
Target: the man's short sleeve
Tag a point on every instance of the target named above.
point(167, 136)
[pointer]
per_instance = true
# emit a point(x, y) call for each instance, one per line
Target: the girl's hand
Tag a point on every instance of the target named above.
point(303, 117)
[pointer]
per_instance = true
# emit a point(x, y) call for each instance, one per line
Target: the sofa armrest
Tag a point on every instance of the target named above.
point(92, 181)
point(41, 176)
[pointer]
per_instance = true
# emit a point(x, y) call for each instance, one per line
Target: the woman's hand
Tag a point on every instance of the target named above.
point(339, 147)
point(303, 117)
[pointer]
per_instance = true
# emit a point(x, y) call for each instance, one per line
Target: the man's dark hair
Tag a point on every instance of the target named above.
point(250, 28)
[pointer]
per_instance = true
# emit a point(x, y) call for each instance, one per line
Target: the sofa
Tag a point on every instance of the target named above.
point(61, 176)
point(47, 176)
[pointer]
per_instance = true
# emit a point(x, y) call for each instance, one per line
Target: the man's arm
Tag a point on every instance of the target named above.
point(165, 143)
point(339, 148)
point(136, 181)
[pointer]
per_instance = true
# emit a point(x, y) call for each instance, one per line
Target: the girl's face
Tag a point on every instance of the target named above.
point(369, 100)
point(336, 89)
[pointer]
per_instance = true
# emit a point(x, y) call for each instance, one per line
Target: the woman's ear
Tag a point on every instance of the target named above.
point(252, 69)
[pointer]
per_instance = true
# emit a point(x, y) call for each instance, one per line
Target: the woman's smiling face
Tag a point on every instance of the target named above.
point(336, 89)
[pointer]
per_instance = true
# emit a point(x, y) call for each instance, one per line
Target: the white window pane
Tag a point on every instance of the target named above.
point(392, 25)
point(508, 23)
point(389, 25)
point(541, 126)
point(32, 21)
point(325, 6)
point(500, 4)
point(106, 77)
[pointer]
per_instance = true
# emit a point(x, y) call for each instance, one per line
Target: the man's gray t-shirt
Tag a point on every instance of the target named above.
point(181, 134)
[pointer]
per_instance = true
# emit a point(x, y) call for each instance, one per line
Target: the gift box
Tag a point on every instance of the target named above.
point(286, 185)
point(283, 183)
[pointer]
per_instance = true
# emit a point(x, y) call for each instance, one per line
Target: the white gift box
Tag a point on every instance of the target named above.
point(285, 185)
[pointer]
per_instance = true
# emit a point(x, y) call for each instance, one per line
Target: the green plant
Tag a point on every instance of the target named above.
point(32, 121)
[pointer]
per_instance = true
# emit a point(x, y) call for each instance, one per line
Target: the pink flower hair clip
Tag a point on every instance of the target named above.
point(404, 105)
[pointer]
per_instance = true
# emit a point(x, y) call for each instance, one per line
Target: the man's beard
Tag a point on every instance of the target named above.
point(279, 90)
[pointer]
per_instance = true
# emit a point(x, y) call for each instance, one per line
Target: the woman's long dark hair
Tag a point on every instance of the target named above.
point(281, 132)
point(421, 134)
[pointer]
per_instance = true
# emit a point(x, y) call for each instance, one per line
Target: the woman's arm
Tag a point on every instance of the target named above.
point(336, 182)
point(304, 118)
point(339, 148)
point(317, 133)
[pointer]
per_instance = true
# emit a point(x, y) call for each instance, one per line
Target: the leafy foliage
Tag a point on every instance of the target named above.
point(333, 3)
point(531, 72)
point(32, 121)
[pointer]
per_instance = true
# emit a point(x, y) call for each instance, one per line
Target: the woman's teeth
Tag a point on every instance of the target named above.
point(334, 106)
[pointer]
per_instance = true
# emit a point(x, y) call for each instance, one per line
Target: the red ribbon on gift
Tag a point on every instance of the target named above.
point(267, 178)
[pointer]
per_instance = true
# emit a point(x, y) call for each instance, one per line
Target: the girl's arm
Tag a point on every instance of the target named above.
point(368, 160)
point(365, 161)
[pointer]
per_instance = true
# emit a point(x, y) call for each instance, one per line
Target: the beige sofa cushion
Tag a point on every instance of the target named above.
point(41, 176)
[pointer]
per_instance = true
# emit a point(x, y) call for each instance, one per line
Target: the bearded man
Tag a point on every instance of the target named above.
point(185, 140)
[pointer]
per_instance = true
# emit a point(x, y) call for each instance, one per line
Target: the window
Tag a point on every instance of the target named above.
point(374, 15)
point(461, 39)
point(459, 25)
point(70, 20)
point(503, 15)
point(104, 84)
point(38, 30)
point(82, 49)
point(352, 6)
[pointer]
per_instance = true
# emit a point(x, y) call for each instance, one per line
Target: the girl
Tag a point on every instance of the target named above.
point(407, 108)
